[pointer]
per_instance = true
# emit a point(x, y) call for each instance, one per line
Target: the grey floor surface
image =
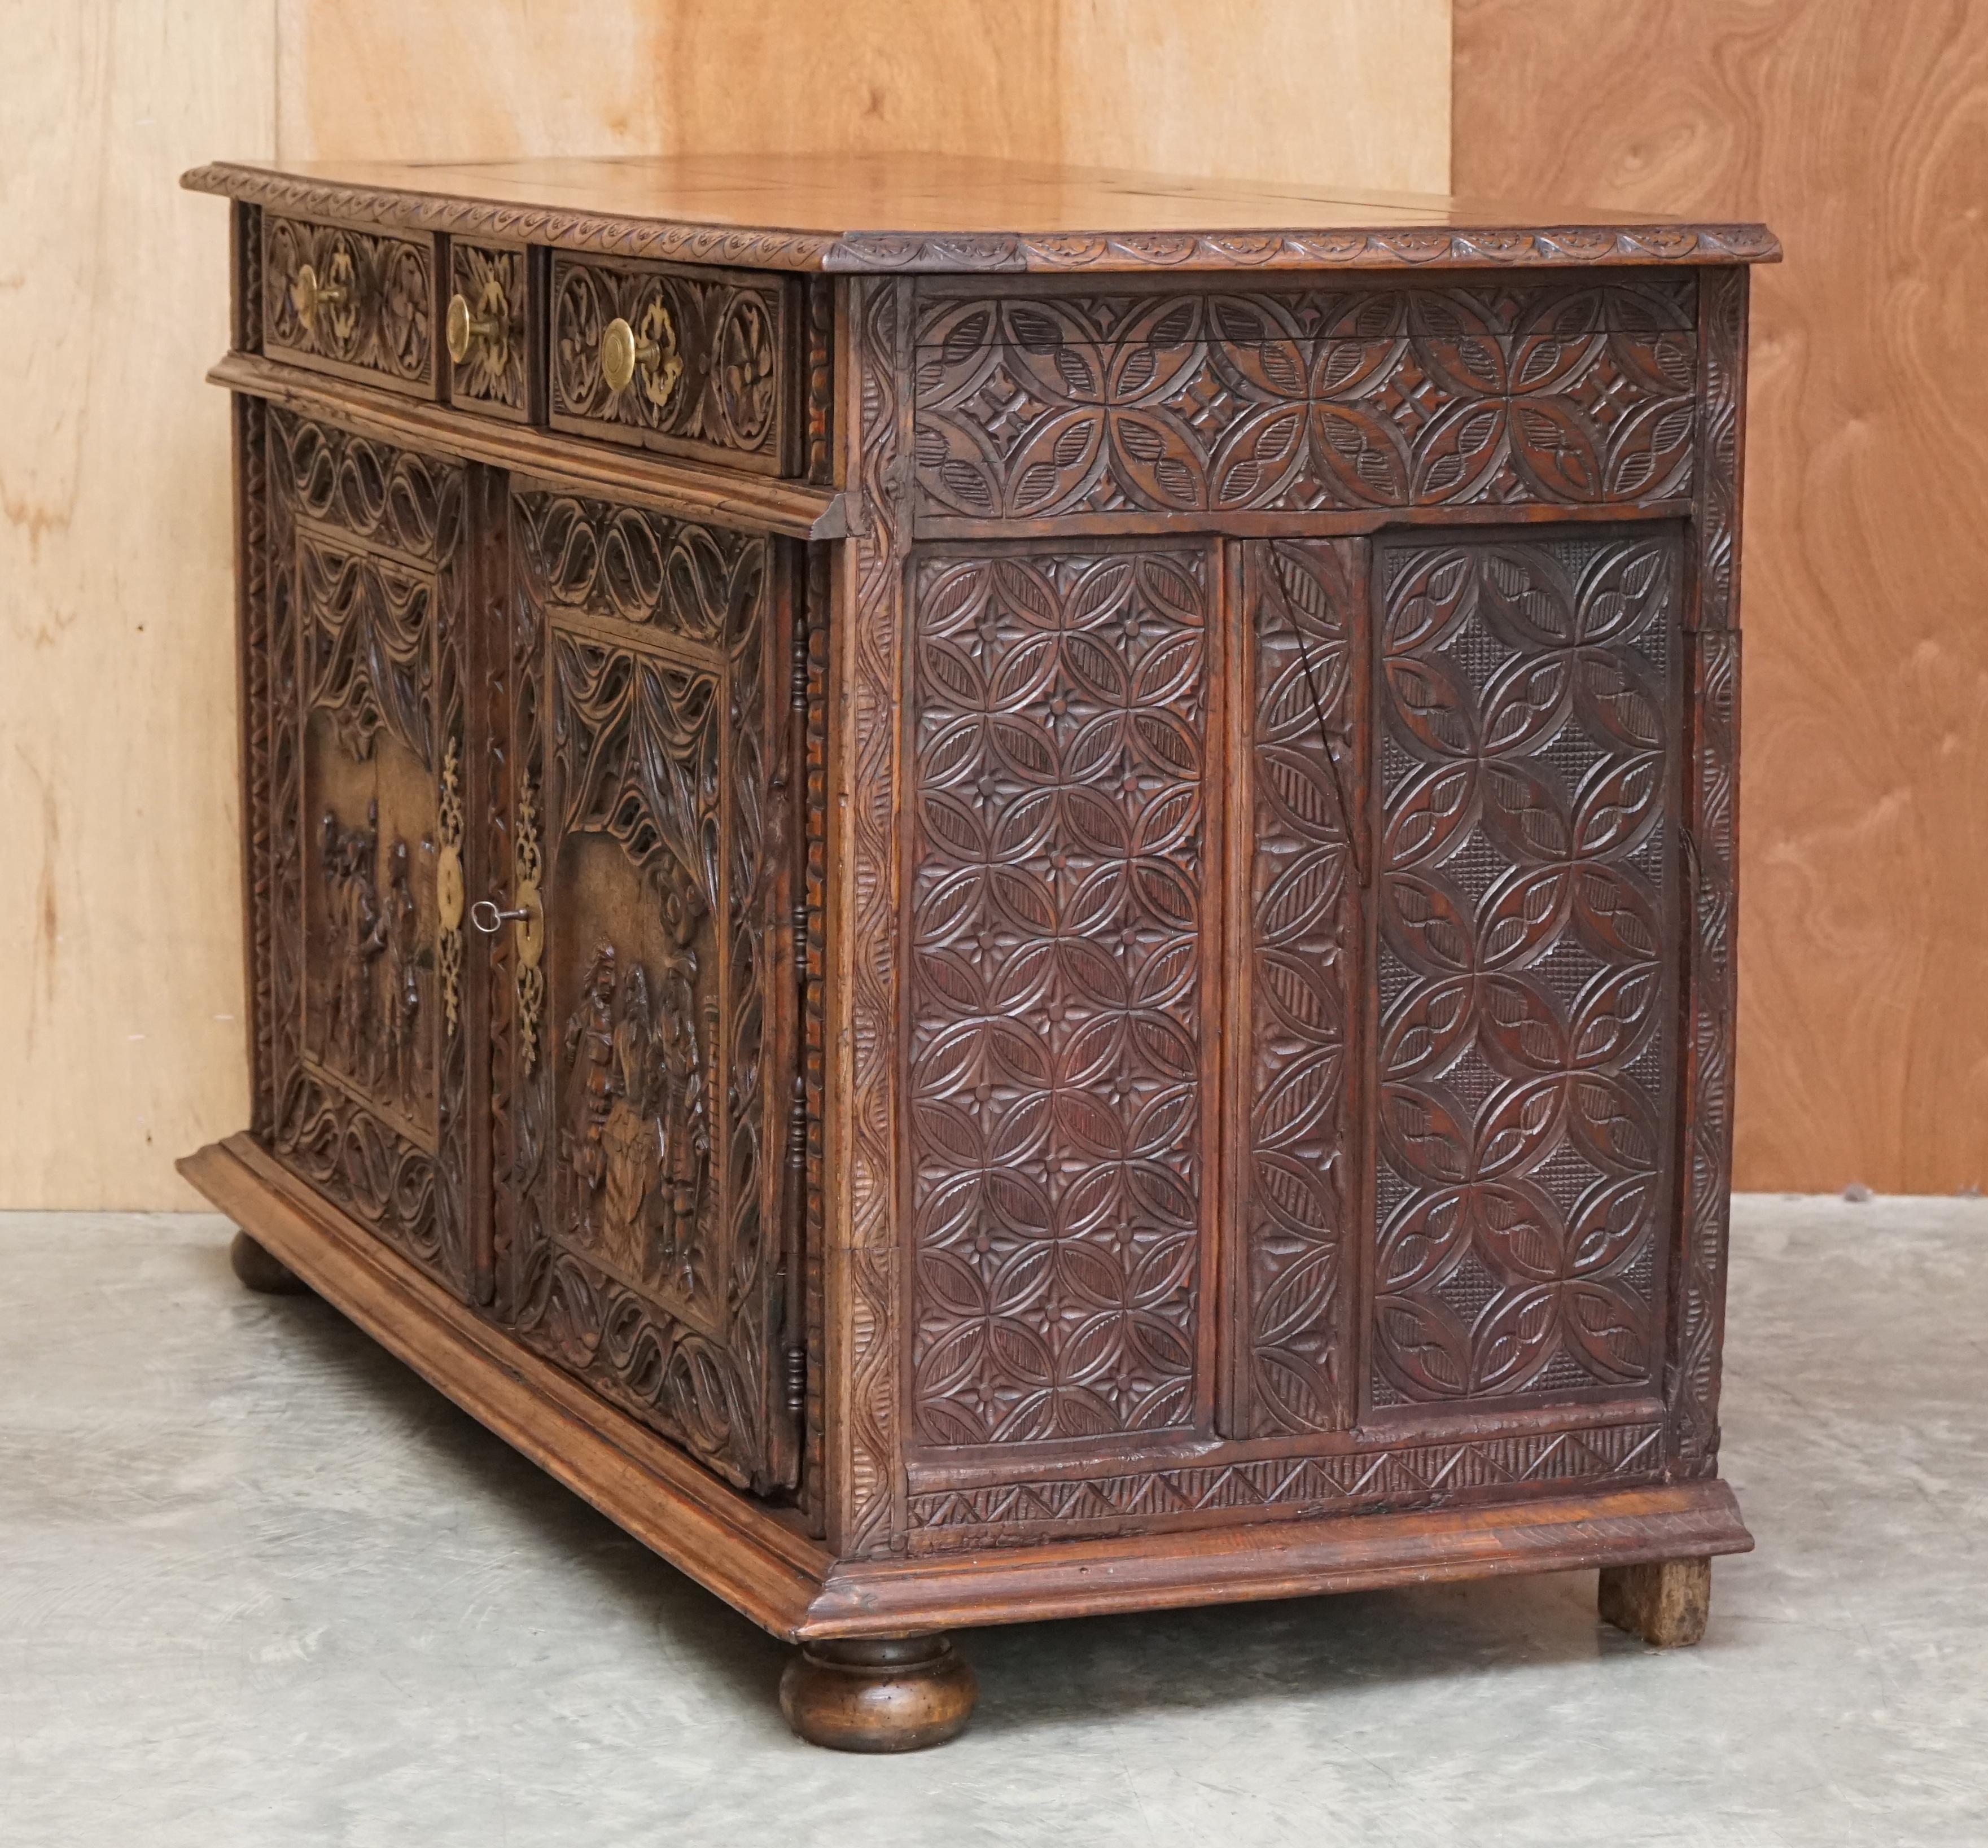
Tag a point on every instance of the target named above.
point(260, 1586)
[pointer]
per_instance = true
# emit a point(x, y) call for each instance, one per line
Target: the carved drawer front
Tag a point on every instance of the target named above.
point(358, 693)
point(485, 329)
point(1062, 921)
point(360, 304)
point(1571, 391)
point(1527, 701)
point(645, 1019)
point(692, 362)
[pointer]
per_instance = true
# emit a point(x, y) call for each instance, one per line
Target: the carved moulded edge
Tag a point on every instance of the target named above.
point(1422, 1474)
point(773, 247)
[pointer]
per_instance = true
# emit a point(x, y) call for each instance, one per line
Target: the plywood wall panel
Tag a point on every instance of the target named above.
point(1860, 133)
point(1357, 90)
point(120, 988)
point(121, 1040)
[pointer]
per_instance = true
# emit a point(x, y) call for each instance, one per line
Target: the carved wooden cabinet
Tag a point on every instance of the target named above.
point(1024, 914)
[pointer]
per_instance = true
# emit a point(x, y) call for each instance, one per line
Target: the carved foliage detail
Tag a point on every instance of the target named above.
point(1527, 712)
point(1577, 392)
point(1061, 704)
point(1305, 604)
point(376, 306)
point(493, 282)
point(728, 341)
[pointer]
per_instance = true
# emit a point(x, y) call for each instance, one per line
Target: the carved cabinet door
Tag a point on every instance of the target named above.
point(355, 698)
point(644, 1007)
point(1528, 714)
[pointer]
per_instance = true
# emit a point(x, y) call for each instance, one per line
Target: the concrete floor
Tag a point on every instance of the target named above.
point(259, 1586)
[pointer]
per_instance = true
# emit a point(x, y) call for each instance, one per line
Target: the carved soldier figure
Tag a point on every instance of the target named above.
point(630, 1142)
point(401, 928)
point(356, 935)
point(589, 1050)
point(683, 1110)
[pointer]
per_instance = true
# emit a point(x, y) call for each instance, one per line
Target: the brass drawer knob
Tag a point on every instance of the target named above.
point(653, 351)
point(308, 294)
point(490, 321)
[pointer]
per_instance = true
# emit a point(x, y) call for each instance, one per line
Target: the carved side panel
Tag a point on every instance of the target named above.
point(714, 351)
point(1711, 848)
point(1576, 391)
point(367, 308)
point(651, 1038)
point(866, 1514)
point(1527, 715)
point(1060, 841)
point(258, 724)
point(1298, 979)
point(367, 548)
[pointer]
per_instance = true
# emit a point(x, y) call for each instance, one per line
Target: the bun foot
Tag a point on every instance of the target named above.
point(877, 1694)
point(1665, 1602)
point(260, 1271)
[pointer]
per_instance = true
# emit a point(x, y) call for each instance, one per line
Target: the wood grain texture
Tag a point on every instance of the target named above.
point(1860, 133)
point(1161, 83)
point(121, 1013)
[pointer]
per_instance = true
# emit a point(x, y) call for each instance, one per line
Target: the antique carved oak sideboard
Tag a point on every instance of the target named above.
point(1025, 913)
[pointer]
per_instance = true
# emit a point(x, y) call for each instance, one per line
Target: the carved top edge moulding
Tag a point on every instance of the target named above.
point(885, 213)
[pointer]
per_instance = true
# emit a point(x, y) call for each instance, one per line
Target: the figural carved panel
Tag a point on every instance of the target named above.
point(1527, 716)
point(350, 302)
point(365, 832)
point(1058, 1149)
point(1577, 391)
point(649, 1053)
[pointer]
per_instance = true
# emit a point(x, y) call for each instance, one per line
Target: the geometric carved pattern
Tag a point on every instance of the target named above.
point(1304, 612)
point(1061, 704)
point(1526, 726)
point(382, 321)
point(1284, 1488)
point(640, 1205)
point(865, 1278)
point(717, 382)
point(1692, 1383)
point(1575, 392)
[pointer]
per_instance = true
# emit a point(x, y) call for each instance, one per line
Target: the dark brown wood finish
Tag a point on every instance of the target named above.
point(994, 946)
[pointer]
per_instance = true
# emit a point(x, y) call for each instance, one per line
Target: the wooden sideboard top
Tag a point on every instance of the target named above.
point(882, 213)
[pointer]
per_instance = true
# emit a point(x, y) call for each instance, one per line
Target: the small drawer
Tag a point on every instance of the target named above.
point(485, 329)
point(357, 303)
point(690, 362)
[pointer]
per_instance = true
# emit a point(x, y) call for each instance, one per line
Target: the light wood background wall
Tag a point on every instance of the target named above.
point(1860, 132)
point(120, 980)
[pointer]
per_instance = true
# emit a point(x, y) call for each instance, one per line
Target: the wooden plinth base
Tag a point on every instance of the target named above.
point(878, 1693)
point(762, 1560)
point(259, 1271)
point(1666, 1602)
